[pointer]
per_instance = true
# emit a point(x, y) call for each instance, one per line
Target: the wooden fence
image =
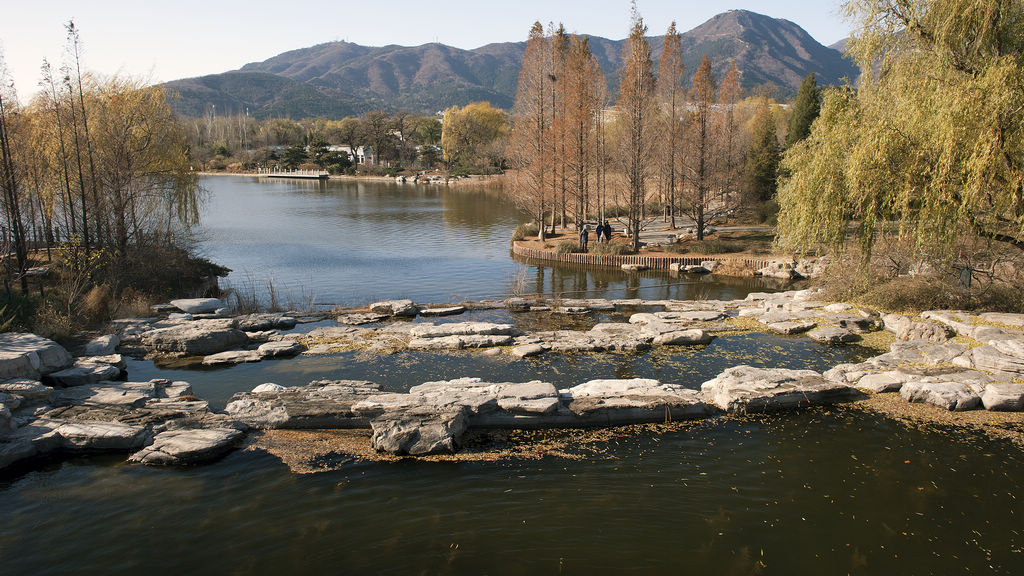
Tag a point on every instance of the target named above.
point(652, 262)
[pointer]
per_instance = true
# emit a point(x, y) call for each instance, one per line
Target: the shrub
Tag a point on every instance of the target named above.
point(568, 247)
point(610, 248)
point(524, 231)
point(767, 212)
point(676, 248)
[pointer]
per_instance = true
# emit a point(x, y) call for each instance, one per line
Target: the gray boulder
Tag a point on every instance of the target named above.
point(692, 337)
point(460, 342)
point(30, 391)
point(358, 319)
point(795, 327)
point(198, 305)
point(749, 389)
point(30, 356)
point(832, 335)
point(907, 329)
point(954, 396)
point(419, 431)
point(631, 401)
point(527, 350)
point(232, 357)
point(84, 436)
point(263, 322)
point(395, 308)
point(83, 374)
point(1016, 320)
point(102, 346)
point(1004, 397)
point(282, 349)
point(199, 338)
point(188, 446)
point(321, 404)
point(461, 329)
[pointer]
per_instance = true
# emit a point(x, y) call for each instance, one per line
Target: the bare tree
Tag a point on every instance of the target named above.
point(636, 115)
point(672, 99)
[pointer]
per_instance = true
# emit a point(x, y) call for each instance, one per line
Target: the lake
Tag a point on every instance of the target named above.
point(823, 491)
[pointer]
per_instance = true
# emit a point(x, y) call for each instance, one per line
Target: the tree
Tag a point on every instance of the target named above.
point(700, 158)
point(350, 131)
point(672, 99)
point(805, 110)
point(932, 138)
point(294, 156)
point(530, 141)
point(584, 93)
point(762, 164)
point(377, 132)
point(467, 133)
point(12, 193)
point(636, 116)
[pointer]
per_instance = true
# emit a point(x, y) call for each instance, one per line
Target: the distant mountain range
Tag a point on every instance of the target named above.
point(338, 79)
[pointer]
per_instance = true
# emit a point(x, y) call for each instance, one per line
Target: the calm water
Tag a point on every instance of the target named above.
point(350, 243)
point(818, 492)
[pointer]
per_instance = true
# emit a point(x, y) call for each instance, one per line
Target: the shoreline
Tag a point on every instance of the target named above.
point(479, 180)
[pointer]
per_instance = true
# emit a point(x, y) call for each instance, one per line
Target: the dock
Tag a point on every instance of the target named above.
point(300, 174)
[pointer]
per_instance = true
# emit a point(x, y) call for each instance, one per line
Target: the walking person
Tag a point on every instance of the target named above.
point(598, 232)
point(607, 231)
point(584, 236)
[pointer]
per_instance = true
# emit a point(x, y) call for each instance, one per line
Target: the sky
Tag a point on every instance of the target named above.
point(162, 41)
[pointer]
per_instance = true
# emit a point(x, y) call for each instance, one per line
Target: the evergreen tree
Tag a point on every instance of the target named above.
point(805, 110)
point(762, 165)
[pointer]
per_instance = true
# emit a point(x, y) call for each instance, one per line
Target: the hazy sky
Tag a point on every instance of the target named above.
point(178, 39)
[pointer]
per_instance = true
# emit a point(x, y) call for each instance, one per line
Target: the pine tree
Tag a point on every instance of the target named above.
point(762, 165)
point(805, 110)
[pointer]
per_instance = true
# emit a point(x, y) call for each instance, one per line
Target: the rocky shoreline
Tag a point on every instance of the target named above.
point(52, 403)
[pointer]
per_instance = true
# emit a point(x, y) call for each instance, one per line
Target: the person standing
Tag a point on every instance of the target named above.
point(584, 236)
point(598, 232)
point(607, 231)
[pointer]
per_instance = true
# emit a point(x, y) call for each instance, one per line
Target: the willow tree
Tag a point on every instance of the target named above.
point(636, 115)
point(467, 133)
point(671, 95)
point(529, 148)
point(932, 138)
point(11, 191)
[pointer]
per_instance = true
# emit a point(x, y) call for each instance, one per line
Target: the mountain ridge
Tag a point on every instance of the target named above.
point(335, 79)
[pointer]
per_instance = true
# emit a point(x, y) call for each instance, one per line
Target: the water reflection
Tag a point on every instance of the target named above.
point(351, 242)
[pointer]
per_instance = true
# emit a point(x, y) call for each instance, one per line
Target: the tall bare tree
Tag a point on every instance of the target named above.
point(530, 142)
point(584, 95)
point(672, 97)
point(636, 109)
point(700, 154)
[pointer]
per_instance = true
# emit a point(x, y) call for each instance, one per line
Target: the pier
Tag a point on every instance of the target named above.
point(302, 174)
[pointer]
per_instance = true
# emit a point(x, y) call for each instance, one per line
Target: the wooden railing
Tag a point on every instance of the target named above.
point(653, 262)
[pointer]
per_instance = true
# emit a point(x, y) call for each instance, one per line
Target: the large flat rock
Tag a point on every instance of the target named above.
point(30, 356)
point(395, 308)
point(321, 404)
point(199, 338)
point(188, 446)
point(198, 305)
point(461, 329)
point(749, 389)
point(632, 401)
point(418, 432)
point(263, 322)
point(951, 395)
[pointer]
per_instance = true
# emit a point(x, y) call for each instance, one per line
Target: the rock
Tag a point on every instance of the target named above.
point(395, 308)
point(198, 305)
point(6, 420)
point(30, 391)
point(630, 401)
point(321, 404)
point(882, 382)
point(779, 269)
point(695, 269)
point(30, 356)
point(110, 394)
point(517, 304)
point(1004, 397)
point(13, 450)
point(954, 396)
point(283, 349)
point(461, 329)
point(172, 390)
point(796, 327)
point(96, 436)
point(115, 360)
point(178, 447)
point(838, 308)
point(102, 346)
point(82, 374)
point(263, 322)
point(993, 358)
point(199, 338)
point(357, 319)
point(527, 350)
point(634, 267)
point(907, 329)
point(418, 432)
point(961, 322)
point(833, 335)
point(710, 265)
point(446, 311)
point(683, 338)
point(268, 387)
point(232, 357)
point(1016, 320)
point(748, 389)
point(180, 316)
point(460, 342)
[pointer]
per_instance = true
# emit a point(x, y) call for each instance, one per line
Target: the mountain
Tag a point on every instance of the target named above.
point(339, 78)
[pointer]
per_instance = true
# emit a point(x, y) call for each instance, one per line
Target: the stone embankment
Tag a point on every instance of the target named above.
point(54, 403)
